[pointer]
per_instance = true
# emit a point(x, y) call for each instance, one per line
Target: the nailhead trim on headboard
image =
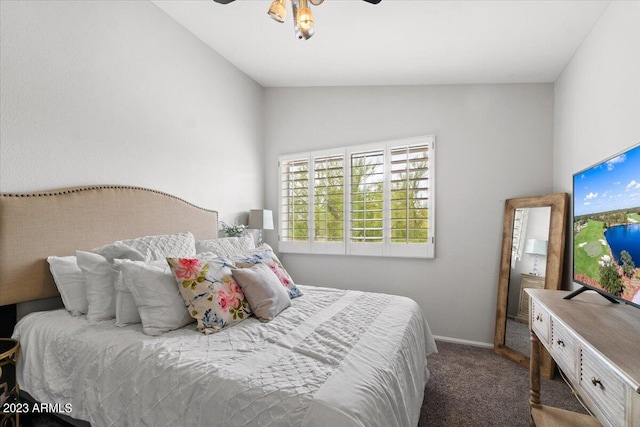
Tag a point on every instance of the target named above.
point(100, 187)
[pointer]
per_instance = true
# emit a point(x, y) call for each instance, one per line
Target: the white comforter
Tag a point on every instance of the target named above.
point(334, 358)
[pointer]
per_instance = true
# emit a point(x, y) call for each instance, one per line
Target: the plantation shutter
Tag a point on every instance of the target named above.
point(374, 199)
point(409, 219)
point(294, 209)
point(366, 208)
point(519, 230)
point(329, 199)
point(328, 202)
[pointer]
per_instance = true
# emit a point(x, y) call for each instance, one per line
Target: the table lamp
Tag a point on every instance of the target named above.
point(261, 219)
point(535, 247)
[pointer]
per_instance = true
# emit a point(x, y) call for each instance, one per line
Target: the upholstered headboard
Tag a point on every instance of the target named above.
point(36, 225)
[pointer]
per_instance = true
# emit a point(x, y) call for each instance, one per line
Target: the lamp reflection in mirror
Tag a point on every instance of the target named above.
point(536, 247)
point(260, 219)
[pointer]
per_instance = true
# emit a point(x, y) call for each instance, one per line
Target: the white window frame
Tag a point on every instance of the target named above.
point(331, 248)
point(346, 247)
point(290, 246)
point(368, 249)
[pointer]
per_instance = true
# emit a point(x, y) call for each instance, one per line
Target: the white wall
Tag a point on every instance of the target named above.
point(119, 93)
point(493, 142)
point(597, 99)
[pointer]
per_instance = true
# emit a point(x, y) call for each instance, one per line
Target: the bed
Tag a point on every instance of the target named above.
point(334, 357)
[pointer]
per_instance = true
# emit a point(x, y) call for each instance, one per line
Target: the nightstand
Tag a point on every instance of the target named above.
point(9, 390)
point(527, 281)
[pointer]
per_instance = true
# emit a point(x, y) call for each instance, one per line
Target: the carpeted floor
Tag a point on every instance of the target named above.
point(517, 336)
point(472, 386)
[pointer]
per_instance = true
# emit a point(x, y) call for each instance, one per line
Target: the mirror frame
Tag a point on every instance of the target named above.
point(558, 202)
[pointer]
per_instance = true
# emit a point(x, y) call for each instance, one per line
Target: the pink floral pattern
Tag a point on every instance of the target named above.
point(212, 295)
point(223, 302)
point(264, 254)
point(188, 268)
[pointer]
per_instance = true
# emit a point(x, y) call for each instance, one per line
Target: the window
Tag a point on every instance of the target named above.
point(409, 194)
point(328, 199)
point(375, 199)
point(295, 201)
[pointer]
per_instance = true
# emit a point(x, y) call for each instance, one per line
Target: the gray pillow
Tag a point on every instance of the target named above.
point(263, 290)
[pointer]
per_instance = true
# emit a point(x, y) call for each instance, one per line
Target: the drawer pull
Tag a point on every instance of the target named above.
point(539, 317)
point(560, 343)
point(596, 381)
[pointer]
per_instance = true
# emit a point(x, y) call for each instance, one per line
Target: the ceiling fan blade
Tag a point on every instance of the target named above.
point(370, 1)
point(228, 1)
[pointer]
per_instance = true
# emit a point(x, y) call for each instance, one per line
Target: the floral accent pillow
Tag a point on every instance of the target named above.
point(264, 254)
point(211, 293)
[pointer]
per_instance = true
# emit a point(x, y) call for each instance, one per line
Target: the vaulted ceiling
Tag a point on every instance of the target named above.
point(396, 42)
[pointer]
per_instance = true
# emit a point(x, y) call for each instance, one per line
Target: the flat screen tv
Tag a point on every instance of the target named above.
point(606, 227)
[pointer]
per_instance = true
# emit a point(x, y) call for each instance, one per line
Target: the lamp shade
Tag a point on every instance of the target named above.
point(536, 247)
point(261, 219)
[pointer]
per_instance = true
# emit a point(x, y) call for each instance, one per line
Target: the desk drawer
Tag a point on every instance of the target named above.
point(603, 387)
point(540, 322)
point(563, 348)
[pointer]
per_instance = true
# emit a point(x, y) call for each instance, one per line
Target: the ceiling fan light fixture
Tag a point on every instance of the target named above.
point(306, 33)
point(277, 10)
point(302, 17)
point(304, 20)
point(303, 32)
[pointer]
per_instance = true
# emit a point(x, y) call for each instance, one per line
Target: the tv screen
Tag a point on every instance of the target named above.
point(606, 227)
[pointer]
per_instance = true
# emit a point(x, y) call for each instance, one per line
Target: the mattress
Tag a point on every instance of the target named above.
point(334, 358)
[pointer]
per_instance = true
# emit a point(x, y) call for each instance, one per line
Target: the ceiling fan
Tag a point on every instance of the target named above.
point(302, 16)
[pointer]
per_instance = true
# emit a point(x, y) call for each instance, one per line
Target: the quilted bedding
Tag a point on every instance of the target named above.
point(334, 358)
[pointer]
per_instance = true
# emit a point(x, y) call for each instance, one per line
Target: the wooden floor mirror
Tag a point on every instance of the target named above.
point(533, 241)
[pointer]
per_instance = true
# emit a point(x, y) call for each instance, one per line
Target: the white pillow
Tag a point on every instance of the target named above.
point(154, 248)
point(227, 247)
point(126, 312)
point(126, 308)
point(99, 285)
point(146, 248)
point(156, 294)
point(70, 282)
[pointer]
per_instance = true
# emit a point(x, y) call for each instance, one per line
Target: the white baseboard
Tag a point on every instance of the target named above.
point(466, 342)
